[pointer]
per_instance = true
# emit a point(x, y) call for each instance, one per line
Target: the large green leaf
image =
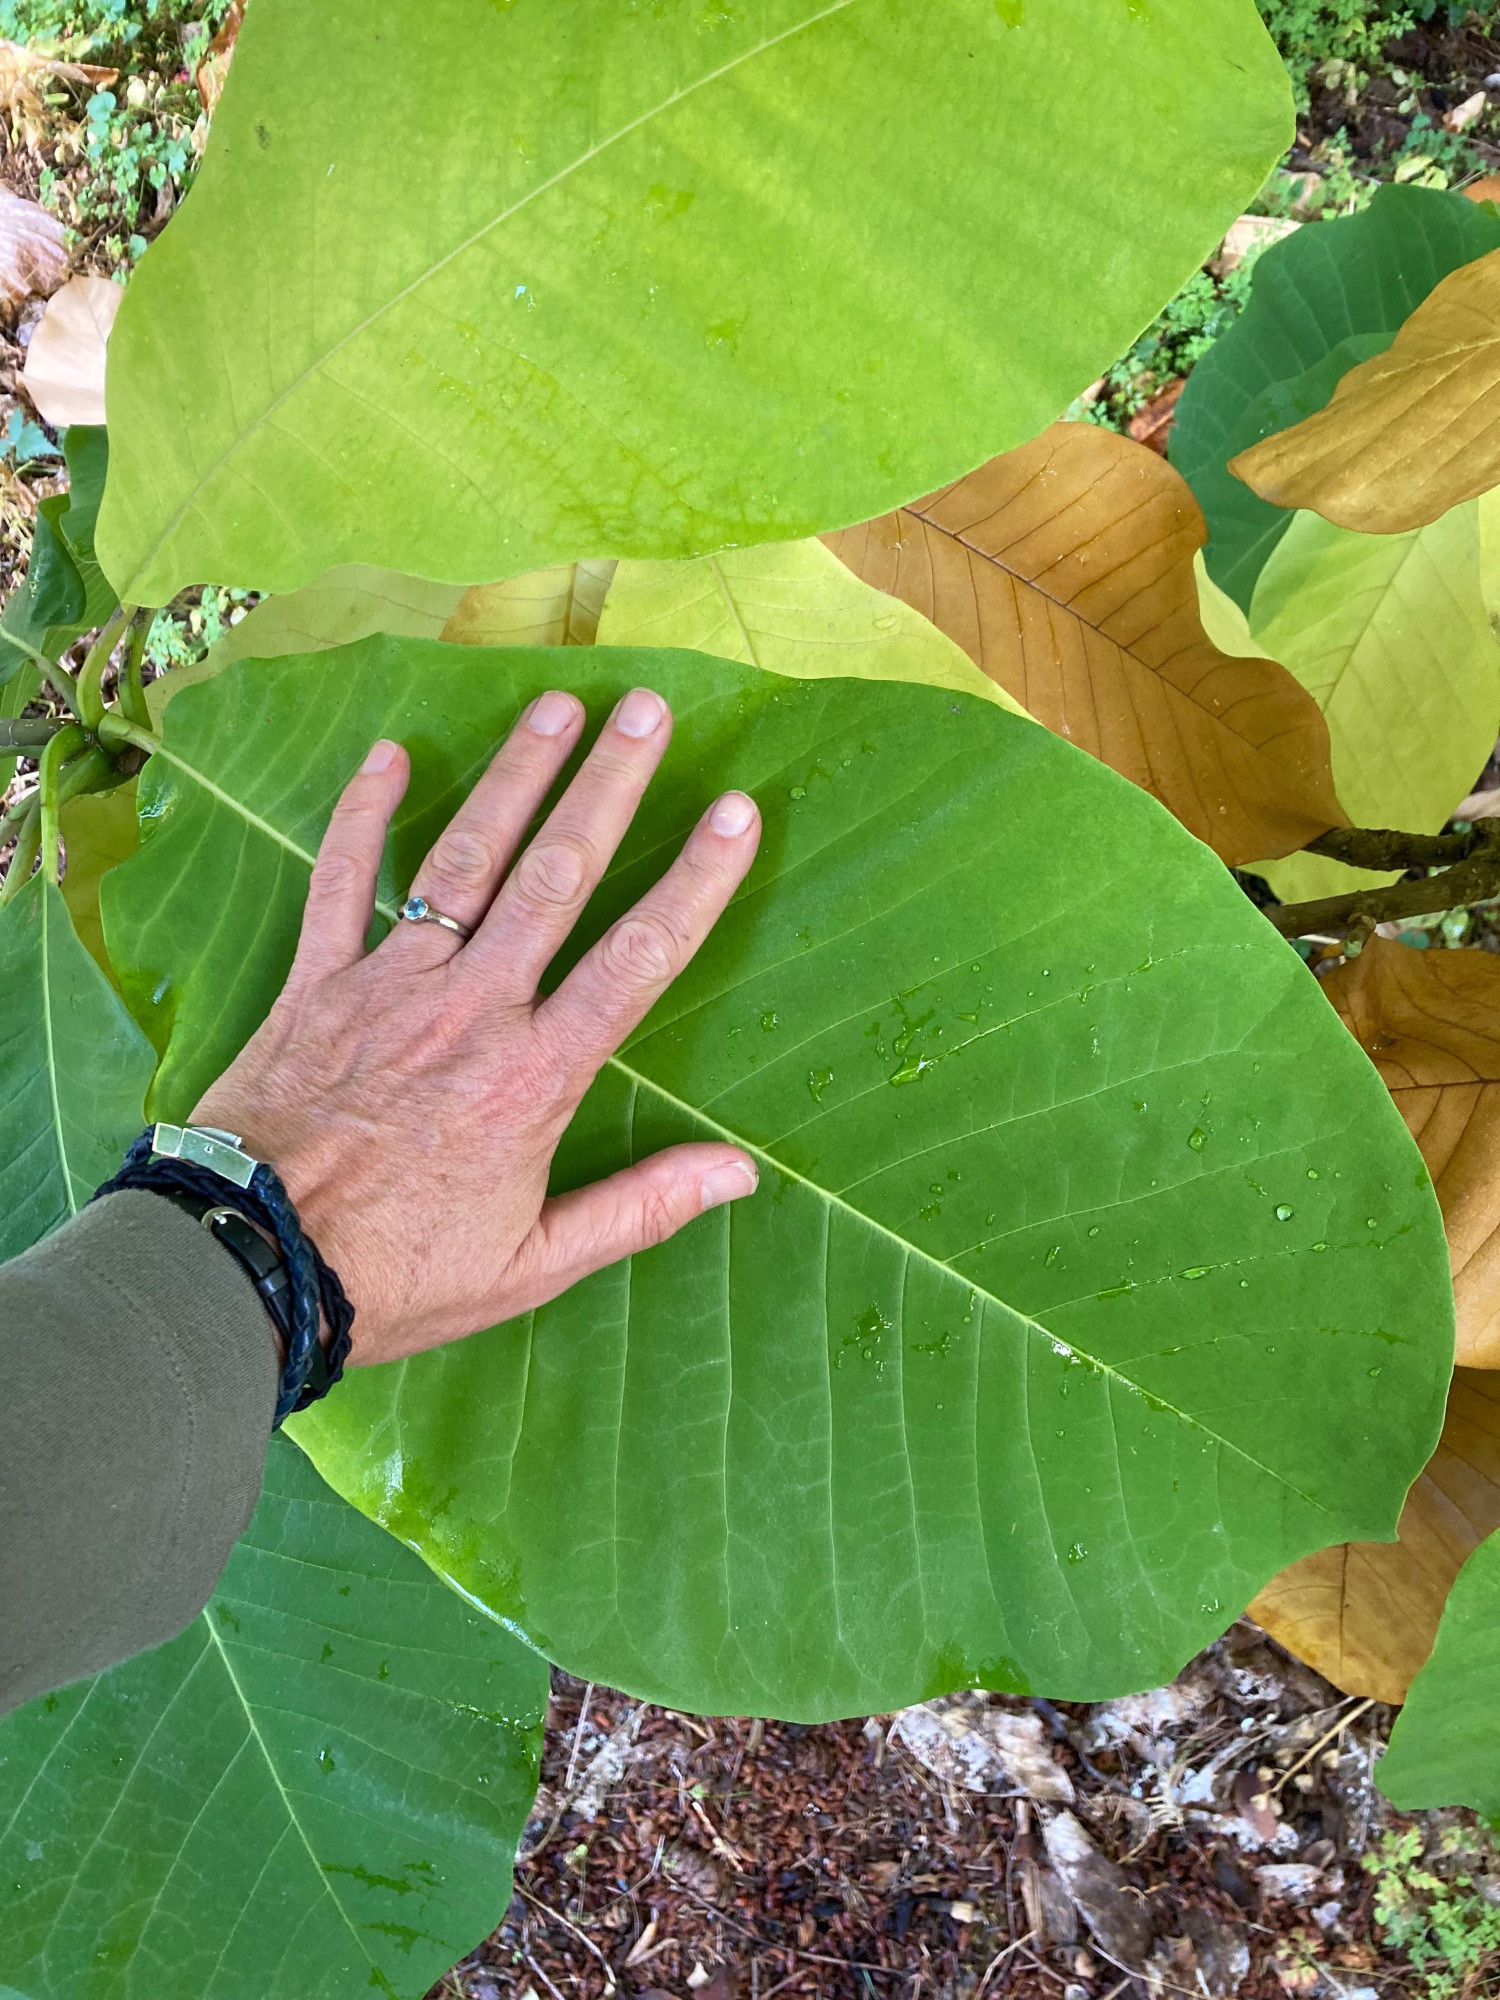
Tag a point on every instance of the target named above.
point(1093, 1276)
point(1321, 301)
point(313, 1793)
point(646, 282)
point(1445, 1748)
point(793, 608)
point(1389, 635)
point(74, 1069)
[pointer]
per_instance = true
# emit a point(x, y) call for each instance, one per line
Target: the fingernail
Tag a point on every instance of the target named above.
point(732, 814)
point(382, 756)
point(640, 713)
point(550, 714)
point(728, 1184)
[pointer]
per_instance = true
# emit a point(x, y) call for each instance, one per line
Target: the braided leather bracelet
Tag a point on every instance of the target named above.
point(205, 1172)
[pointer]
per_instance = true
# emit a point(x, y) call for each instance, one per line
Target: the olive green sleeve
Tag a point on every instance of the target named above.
point(138, 1378)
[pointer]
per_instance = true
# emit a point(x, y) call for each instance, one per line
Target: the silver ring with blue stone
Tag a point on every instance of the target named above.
point(417, 910)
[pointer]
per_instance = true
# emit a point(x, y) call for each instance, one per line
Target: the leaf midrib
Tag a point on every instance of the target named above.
point(49, 1038)
point(440, 264)
point(639, 1078)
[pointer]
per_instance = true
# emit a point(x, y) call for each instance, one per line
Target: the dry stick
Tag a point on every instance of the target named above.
point(583, 1710)
point(534, 1967)
point(1337, 1730)
point(588, 1944)
point(998, 1960)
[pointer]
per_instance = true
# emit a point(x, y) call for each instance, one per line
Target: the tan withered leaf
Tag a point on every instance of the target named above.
point(1065, 571)
point(1365, 1614)
point(545, 607)
point(1407, 435)
point(1430, 1021)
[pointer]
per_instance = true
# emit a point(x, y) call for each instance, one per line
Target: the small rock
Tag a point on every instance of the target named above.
point(1289, 1881)
point(963, 1913)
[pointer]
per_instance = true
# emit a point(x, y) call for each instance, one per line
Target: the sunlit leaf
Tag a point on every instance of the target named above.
point(661, 297)
point(1066, 1171)
point(1409, 434)
point(1065, 571)
point(1388, 634)
point(792, 608)
point(1320, 303)
point(64, 371)
point(314, 1793)
point(546, 607)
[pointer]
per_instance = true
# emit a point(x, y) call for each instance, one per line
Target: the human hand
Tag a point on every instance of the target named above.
point(411, 1098)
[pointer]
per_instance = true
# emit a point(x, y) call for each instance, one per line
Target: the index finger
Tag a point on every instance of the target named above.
point(617, 983)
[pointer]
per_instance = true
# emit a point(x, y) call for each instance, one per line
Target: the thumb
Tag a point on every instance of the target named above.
point(580, 1233)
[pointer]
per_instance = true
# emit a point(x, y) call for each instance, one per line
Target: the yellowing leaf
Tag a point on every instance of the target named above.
point(1065, 571)
point(1365, 1613)
point(1226, 625)
point(546, 607)
point(1430, 1022)
point(1409, 434)
point(1389, 636)
point(792, 608)
point(64, 371)
point(99, 830)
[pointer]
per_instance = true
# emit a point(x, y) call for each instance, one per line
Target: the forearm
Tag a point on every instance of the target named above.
point(138, 1377)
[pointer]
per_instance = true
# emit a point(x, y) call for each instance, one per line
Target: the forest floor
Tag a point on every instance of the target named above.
point(1220, 1837)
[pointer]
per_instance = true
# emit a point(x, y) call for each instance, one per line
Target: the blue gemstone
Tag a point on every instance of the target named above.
point(414, 908)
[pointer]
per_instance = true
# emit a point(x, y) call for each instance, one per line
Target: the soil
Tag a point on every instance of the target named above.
point(670, 1855)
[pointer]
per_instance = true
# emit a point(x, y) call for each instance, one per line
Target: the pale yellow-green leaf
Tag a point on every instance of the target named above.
point(793, 608)
point(545, 607)
point(1388, 633)
point(99, 831)
point(1222, 619)
point(1489, 556)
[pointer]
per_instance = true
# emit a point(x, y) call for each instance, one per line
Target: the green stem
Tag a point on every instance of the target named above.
point(132, 694)
point(28, 732)
point(59, 676)
point(115, 732)
point(28, 839)
point(90, 704)
point(63, 745)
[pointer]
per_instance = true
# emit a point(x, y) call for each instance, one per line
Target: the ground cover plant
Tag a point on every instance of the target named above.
point(1070, 1171)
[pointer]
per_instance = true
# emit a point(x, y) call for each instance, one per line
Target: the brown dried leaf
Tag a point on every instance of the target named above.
point(1408, 434)
point(33, 251)
point(1430, 1022)
point(64, 372)
point(1365, 1614)
point(1065, 571)
point(214, 68)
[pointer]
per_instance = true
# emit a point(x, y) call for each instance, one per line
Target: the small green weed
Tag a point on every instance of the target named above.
point(140, 138)
point(1181, 334)
point(1448, 1930)
point(1312, 32)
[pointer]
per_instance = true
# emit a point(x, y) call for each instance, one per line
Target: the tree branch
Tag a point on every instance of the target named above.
point(1472, 876)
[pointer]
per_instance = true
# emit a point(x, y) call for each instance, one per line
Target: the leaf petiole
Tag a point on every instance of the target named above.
point(62, 746)
point(89, 706)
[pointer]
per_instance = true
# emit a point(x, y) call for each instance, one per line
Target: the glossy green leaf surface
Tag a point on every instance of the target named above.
point(1445, 1748)
point(1390, 636)
point(1321, 301)
point(64, 592)
point(74, 1069)
point(313, 1793)
point(1092, 1276)
point(653, 288)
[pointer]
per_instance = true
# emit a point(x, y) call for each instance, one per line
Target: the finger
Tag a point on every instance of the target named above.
point(548, 887)
point(616, 984)
point(577, 1234)
point(341, 894)
point(463, 869)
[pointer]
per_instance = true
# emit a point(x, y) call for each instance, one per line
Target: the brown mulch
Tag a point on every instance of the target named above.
point(737, 1860)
